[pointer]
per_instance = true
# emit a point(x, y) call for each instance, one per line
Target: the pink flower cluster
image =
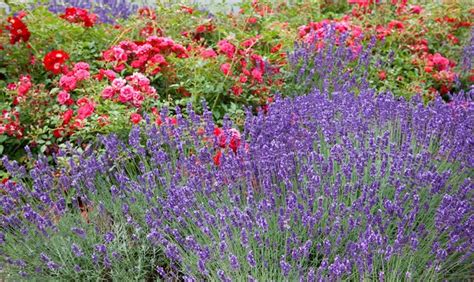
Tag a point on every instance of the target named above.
point(68, 82)
point(148, 56)
point(227, 48)
point(86, 108)
point(438, 62)
point(131, 90)
point(22, 87)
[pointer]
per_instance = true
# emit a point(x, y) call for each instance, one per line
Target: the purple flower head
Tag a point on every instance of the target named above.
point(77, 268)
point(234, 262)
point(100, 248)
point(109, 237)
point(285, 267)
point(76, 250)
point(79, 232)
point(251, 259)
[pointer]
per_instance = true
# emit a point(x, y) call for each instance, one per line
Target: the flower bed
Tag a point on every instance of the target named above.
point(232, 61)
point(324, 142)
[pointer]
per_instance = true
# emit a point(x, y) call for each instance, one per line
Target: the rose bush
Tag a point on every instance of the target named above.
point(71, 74)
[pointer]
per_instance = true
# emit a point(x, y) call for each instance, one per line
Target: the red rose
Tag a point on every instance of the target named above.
point(58, 132)
point(217, 158)
point(225, 68)
point(276, 48)
point(382, 75)
point(135, 118)
point(67, 116)
point(252, 20)
point(237, 90)
point(78, 15)
point(18, 30)
point(54, 61)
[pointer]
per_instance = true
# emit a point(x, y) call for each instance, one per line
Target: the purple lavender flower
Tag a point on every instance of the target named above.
point(234, 262)
point(76, 250)
point(77, 268)
point(109, 237)
point(285, 267)
point(100, 248)
point(251, 259)
point(79, 232)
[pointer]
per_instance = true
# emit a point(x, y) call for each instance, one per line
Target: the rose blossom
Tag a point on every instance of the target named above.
point(108, 92)
point(64, 98)
point(126, 94)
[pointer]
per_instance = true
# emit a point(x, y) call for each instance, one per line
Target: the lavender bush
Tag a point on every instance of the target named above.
point(328, 63)
point(347, 187)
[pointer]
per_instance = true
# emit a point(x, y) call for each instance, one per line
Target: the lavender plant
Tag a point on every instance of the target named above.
point(320, 188)
point(327, 65)
point(332, 62)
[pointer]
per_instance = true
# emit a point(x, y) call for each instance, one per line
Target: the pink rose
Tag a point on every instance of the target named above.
point(126, 94)
point(108, 92)
point(226, 47)
point(415, 9)
point(64, 98)
point(85, 111)
point(81, 66)
point(225, 68)
point(257, 75)
point(137, 99)
point(119, 83)
point(81, 75)
point(208, 53)
point(67, 82)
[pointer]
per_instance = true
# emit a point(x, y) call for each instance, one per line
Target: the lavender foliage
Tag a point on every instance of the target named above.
point(322, 187)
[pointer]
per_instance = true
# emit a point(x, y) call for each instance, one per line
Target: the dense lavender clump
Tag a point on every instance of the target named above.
point(347, 187)
point(107, 10)
point(466, 65)
point(329, 64)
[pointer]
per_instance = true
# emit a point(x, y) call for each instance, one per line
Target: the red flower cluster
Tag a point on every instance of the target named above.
point(233, 135)
point(200, 31)
point(148, 56)
point(78, 15)
point(54, 61)
point(319, 31)
point(150, 30)
point(10, 124)
point(85, 110)
point(18, 30)
point(22, 88)
point(230, 139)
point(360, 3)
point(440, 69)
point(251, 67)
